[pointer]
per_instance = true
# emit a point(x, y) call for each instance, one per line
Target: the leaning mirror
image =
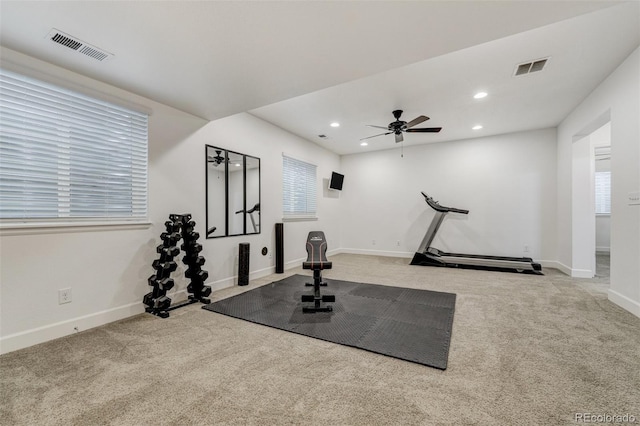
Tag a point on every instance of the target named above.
point(252, 182)
point(232, 193)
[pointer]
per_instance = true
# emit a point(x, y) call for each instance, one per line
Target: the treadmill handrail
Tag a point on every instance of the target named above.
point(437, 207)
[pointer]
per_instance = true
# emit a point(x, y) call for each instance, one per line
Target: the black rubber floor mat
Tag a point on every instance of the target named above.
point(410, 324)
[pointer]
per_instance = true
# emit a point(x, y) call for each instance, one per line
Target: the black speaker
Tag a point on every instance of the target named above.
point(243, 264)
point(279, 248)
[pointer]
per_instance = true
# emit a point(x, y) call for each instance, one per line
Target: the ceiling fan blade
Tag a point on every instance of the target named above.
point(415, 121)
point(377, 127)
point(425, 130)
point(399, 137)
point(381, 134)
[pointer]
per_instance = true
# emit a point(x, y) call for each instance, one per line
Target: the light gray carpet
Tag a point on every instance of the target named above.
point(526, 350)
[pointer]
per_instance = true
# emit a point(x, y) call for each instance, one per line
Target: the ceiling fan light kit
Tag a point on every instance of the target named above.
point(399, 127)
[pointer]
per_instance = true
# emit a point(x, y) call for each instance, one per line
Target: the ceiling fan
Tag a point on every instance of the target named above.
point(398, 127)
point(217, 159)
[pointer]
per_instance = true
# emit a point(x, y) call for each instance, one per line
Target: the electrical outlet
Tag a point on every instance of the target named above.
point(398, 243)
point(373, 242)
point(634, 198)
point(526, 248)
point(64, 296)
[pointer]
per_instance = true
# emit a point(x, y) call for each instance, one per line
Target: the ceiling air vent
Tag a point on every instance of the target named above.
point(79, 46)
point(529, 67)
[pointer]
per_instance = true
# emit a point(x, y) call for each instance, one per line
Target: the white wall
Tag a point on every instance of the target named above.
point(508, 183)
point(583, 263)
point(107, 267)
point(617, 98)
point(250, 135)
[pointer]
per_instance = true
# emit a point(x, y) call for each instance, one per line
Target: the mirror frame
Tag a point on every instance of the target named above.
point(246, 215)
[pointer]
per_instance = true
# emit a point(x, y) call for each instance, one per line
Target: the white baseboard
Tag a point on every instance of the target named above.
point(582, 273)
point(386, 253)
point(573, 273)
point(624, 302)
point(43, 334)
point(49, 332)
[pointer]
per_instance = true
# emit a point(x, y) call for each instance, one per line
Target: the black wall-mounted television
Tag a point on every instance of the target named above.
point(336, 181)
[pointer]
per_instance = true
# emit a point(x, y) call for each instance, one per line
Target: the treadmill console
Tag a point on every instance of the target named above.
point(437, 207)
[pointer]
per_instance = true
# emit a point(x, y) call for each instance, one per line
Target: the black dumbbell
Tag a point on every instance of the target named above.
point(199, 275)
point(148, 299)
point(171, 227)
point(192, 236)
point(164, 284)
point(165, 266)
point(206, 291)
point(162, 303)
point(193, 260)
point(172, 238)
point(168, 251)
point(192, 247)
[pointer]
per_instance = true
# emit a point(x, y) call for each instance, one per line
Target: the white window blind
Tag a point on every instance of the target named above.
point(298, 188)
point(65, 155)
point(603, 192)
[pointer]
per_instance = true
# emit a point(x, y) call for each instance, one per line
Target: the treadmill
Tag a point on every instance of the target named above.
point(431, 256)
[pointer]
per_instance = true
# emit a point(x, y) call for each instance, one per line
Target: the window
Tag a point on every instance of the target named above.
point(298, 189)
point(67, 156)
point(603, 192)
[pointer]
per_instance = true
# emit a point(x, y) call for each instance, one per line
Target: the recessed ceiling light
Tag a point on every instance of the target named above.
point(237, 164)
point(335, 124)
point(476, 127)
point(480, 95)
point(363, 144)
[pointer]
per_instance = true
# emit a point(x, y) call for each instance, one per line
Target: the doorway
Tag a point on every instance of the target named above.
point(591, 215)
point(601, 144)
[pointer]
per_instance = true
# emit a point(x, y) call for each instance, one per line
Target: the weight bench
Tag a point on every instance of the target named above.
point(317, 261)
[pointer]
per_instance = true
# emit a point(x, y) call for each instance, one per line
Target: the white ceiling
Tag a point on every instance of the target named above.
point(304, 64)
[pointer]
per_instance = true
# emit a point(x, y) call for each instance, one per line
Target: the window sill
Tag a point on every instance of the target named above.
point(299, 219)
point(28, 228)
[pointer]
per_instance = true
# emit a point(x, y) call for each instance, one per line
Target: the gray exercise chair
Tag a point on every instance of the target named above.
point(317, 261)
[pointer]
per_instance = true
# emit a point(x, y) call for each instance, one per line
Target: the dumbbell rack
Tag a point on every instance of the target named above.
point(179, 226)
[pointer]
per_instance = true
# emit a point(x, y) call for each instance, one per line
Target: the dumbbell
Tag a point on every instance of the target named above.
point(162, 303)
point(171, 226)
point(192, 247)
point(148, 299)
point(168, 251)
point(204, 291)
point(165, 284)
point(201, 275)
point(165, 266)
point(171, 238)
point(193, 260)
point(193, 236)
point(188, 225)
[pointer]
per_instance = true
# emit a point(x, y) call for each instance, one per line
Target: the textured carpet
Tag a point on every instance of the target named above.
point(526, 350)
point(409, 324)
